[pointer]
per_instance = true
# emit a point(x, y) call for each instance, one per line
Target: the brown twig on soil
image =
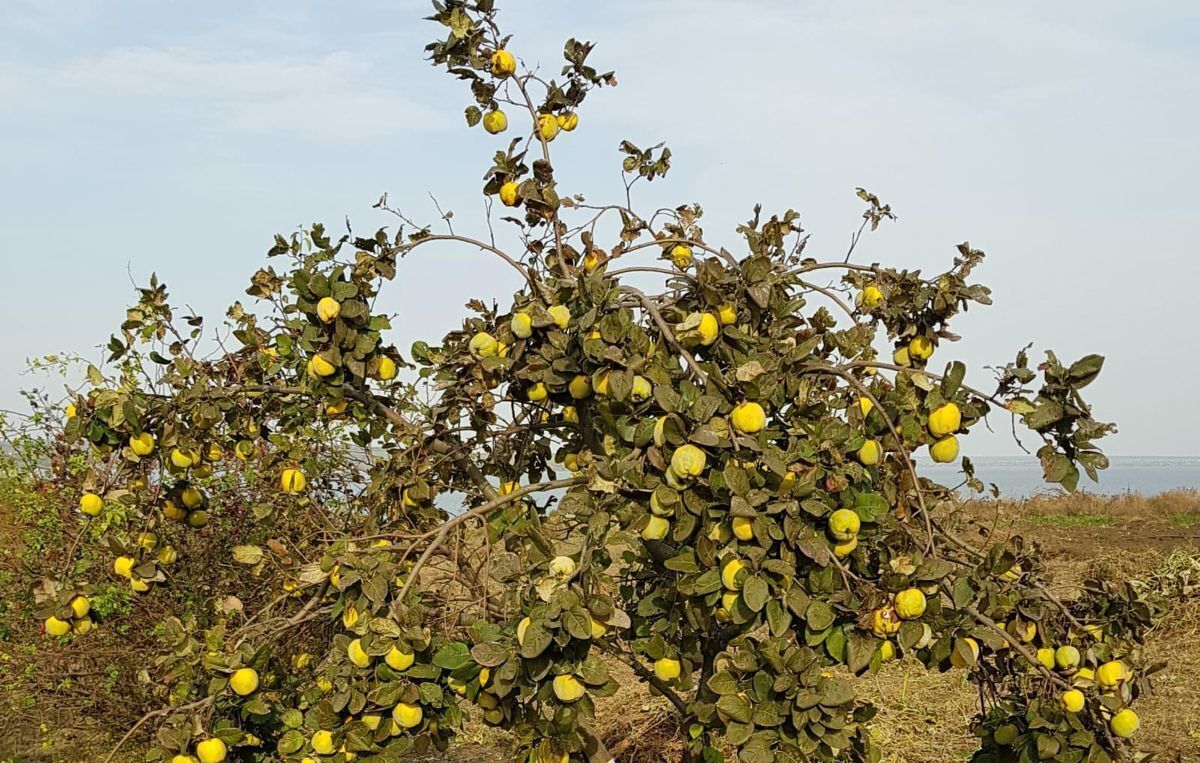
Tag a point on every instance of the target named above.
point(162, 711)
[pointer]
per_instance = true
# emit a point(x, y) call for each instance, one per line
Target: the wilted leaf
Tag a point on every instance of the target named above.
point(247, 554)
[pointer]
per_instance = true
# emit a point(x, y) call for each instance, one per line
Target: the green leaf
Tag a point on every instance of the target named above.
point(859, 650)
point(593, 671)
point(537, 639)
point(797, 601)
point(1045, 415)
point(422, 671)
point(835, 644)
point(723, 682)
point(737, 734)
point(1047, 747)
point(1019, 406)
point(452, 656)
point(707, 583)
point(375, 588)
point(962, 593)
point(292, 741)
point(489, 654)
point(684, 561)
point(778, 618)
point(1070, 480)
point(578, 623)
point(431, 694)
point(343, 290)
point(835, 692)
point(819, 615)
point(1057, 468)
point(736, 480)
point(932, 570)
point(390, 693)
point(911, 633)
point(755, 593)
point(256, 706)
point(767, 714)
point(870, 506)
point(953, 379)
point(735, 707)
point(1084, 371)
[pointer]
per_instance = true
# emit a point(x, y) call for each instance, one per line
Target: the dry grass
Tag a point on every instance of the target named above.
point(923, 716)
point(635, 725)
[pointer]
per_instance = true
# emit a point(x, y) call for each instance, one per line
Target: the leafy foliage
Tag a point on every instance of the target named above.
point(714, 483)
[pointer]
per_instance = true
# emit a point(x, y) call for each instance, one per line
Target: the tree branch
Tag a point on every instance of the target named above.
point(497, 501)
point(669, 335)
point(912, 470)
point(648, 676)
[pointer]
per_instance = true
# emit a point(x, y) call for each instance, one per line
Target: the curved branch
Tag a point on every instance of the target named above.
point(829, 294)
point(498, 501)
point(930, 374)
point(669, 335)
point(912, 470)
point(525, 272)
point(729, 258)
point(648, 675)
point(828, 265)
point(537, 131)
point(1017, 646)
point(647, 269)
point(156, 714)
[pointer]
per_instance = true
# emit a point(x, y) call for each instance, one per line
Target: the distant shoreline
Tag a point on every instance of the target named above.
point(1020, 476)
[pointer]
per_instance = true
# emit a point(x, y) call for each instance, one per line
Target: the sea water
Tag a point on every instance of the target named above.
point(1021, 476)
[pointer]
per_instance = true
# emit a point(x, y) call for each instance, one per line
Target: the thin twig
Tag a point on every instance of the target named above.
point(155, 714)
point(440, 535)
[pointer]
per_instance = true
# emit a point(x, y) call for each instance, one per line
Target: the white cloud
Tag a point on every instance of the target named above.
point(38, 17)
point(329, 98)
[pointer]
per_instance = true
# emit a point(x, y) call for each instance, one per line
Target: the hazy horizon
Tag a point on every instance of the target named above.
point(143, 137)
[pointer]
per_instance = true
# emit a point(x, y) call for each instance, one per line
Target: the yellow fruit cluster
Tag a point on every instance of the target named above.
point(186, 503)
point(79, 620)
point(944, 421)
point(1107, 677)
point(913, 353)
point(844, 525)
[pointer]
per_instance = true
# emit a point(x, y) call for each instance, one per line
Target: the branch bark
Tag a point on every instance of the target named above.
point(669, 335)
point(912, 470)
point(497, 501)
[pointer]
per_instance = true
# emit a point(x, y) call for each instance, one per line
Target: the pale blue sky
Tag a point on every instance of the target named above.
point(1062, 138)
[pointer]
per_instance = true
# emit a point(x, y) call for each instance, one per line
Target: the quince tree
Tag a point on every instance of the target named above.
point(713, 481)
